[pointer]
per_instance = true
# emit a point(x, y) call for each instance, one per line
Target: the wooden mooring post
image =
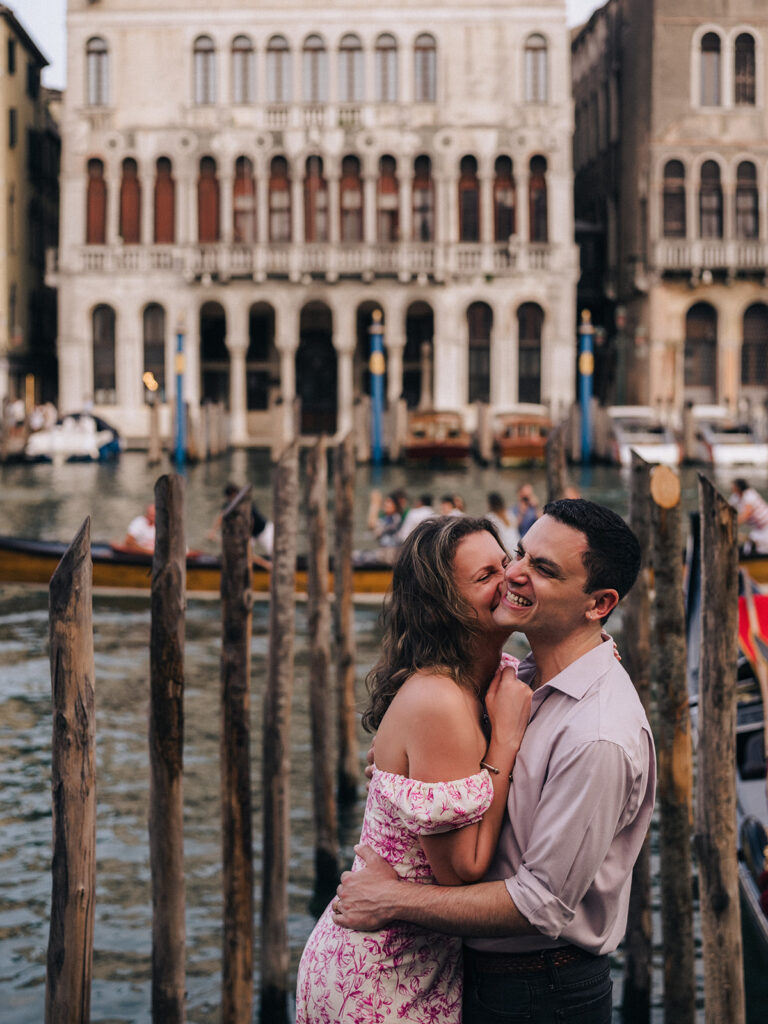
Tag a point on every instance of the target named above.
point(276, 767)
point(715, 837)
point(73, 785)
point(556, 471)
point(344, 620)
point(319, 622)
point(166, 742)
point(675, 795)
point(236, 824)
point(638, 944)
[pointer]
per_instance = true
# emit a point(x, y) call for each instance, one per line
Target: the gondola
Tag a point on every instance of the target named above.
point(751, 687)
point(115, 570)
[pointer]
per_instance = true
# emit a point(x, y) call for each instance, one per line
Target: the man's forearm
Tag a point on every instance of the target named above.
point(483, 909)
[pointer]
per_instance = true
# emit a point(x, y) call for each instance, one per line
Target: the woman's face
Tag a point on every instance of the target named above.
point(478, 573)
point(388, 507)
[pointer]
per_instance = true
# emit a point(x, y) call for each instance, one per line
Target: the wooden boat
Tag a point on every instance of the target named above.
point(520, 438)
point(116, 570)
point(437, 437)
point(751, 690)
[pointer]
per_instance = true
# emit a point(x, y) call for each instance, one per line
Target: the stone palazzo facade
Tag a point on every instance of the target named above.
point(253, 181)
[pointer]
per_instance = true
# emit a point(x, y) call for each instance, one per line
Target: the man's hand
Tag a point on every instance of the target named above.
point(361, 898)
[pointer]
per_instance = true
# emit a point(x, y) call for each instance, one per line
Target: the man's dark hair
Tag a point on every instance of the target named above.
point(613, 557)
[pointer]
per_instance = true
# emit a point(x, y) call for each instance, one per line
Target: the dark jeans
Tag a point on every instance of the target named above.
point(577, 993)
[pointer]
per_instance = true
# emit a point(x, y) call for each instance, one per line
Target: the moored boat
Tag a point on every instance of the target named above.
point(26, 561)
point(437, 436)
point(520, 436)
point(638, 428)
point(79, 437)
point(721, 440)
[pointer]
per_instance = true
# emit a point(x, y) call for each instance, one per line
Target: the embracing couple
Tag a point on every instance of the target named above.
point(520, 791)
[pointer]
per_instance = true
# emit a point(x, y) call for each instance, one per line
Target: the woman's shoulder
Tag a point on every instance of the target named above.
point(427, 685)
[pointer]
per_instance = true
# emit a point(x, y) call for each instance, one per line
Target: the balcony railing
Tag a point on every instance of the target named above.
point(687, 255)
point(224, 261)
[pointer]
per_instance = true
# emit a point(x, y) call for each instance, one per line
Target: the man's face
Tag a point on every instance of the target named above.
point(150, 514)
point(544, 595)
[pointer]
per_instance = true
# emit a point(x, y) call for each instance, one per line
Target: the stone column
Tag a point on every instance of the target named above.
point(369, 209)
point(486, 208)
point(522, 210)
point(262, 206)
point(112, 174)
point(147, 185)
point(286, 342)
point(227, 183)
point(334, 207)
point(237, 343)
point(405, 201)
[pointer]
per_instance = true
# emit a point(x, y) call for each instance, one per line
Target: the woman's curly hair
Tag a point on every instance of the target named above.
point(427, 624)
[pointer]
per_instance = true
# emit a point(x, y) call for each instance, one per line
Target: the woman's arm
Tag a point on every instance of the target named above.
point(450, 745)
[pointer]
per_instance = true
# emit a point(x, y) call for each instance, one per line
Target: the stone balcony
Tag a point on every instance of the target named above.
point(693, 256)
point(404, 261)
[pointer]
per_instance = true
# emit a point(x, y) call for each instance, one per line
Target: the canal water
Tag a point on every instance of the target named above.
point(51, 502)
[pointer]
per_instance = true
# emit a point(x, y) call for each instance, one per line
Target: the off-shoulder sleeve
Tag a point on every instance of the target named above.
point(429, 808)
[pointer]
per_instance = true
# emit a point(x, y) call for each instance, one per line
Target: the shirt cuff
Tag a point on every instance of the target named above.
point(537, 904)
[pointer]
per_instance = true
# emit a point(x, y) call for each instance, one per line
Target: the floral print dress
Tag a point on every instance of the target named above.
point(401, 973)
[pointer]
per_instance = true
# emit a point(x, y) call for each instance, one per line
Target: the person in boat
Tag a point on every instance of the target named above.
point(262, 529)
point(539, 929)
point(501, 519)
point(752, 512)
point(140, 535)
point(438, 792)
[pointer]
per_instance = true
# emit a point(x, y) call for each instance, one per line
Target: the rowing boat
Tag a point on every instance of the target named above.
point(26, 561)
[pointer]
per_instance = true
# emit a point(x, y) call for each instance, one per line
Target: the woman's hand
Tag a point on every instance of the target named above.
point(508, 703)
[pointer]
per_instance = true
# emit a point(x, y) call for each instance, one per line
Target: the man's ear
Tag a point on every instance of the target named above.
point(604, 603)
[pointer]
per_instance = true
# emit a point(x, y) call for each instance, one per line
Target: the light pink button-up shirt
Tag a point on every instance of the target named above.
point(578, 809)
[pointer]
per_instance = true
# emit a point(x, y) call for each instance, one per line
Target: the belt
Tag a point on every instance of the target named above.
point(486, 962)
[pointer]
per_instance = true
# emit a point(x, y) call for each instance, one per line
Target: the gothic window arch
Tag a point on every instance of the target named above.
point(536, 69)
point(387, 200)
point(479, 326)
point(279, 201)
point(243, 70)
point(207, 201)
point(423, 200)
point(315, 70)
point(425, 68)
point(130, 203)
point(503, 199)
point(700, 353)
point(351, 69)
point(205, 70)
point(97, 72)
point(103, 347)
point(315, 201)
point(747, 208)
point(530, 327)
point(96, 205)
point(710, 201)
point(244, 203)
point(469, 201)
point(351, 189)
point(710, 94)
point(386, 69)
point(673, 200)
point(165, 193)
point(537, 200)
point(278, 70)
point(154, 352)
point(744, 70)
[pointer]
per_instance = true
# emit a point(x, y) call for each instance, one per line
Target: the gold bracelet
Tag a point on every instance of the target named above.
point(490, 768)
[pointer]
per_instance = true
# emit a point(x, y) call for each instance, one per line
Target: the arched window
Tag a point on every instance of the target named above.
point(103, 327)
point(154, 353)
point(710, 201)
point(747, 217)
point(700, 358)
point(130, 203)
point(351, 69)
point(674, 199)
point(744, 70)
point(96, 205)
point(469, 201)
point(315, 70)
point(387, 211)
point(537, 200)
point(279, 201)
point(243, 70)
point(205, 70)
point(315, 202)
point(710, 70)
point(165, 219)
point(351, 187)
point(97, 72)
point(207, 201)
point(754, 347)
point(386, 69)
point(530, 324)
point(244, 203)
point(278, 70)
point(479, 323)
point(425, 69)
point(503, 200)
point(423, 200)
point(536, 69)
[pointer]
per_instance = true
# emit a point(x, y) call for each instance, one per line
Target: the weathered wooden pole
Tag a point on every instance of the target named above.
point(319, 621)
point(73, 786)
point(154, 453)
point(237, 828)
point(674, 749)
point(344, 620)
point(276, 769)
point(556, 471)
point(166, 745)
point(636, 649)
point(715, 838)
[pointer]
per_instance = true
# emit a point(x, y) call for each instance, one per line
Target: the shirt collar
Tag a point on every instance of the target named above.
point(576, 678)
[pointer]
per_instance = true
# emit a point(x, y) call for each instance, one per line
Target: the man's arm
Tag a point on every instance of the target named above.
point(373, 897)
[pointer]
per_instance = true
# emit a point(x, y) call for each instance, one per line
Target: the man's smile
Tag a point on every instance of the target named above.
point(517, 599)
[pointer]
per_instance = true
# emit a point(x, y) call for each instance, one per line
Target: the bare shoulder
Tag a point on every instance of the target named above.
point(430, 689)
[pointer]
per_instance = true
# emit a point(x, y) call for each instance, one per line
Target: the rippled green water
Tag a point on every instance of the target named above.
point(50, 502)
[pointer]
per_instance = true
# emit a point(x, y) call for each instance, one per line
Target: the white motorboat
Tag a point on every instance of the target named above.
point(79, 437)
point(638, 427)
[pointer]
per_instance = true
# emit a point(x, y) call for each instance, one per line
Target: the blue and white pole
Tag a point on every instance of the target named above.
point(586, 373)
point(377, 366)
point(181, 443)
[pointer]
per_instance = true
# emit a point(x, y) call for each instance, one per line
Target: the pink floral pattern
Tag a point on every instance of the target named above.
point(401, 973)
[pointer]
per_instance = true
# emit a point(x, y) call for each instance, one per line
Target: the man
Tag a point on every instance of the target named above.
point(554, 904)
point(419, 511)
point(141, 532)
point(526, 511)
point(752, 511)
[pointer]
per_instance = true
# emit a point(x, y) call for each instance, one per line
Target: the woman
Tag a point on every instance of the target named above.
point(439, 786)
point(508, 533)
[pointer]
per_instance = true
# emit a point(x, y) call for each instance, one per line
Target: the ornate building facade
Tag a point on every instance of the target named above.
point(671, 195)
point(258, 179)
